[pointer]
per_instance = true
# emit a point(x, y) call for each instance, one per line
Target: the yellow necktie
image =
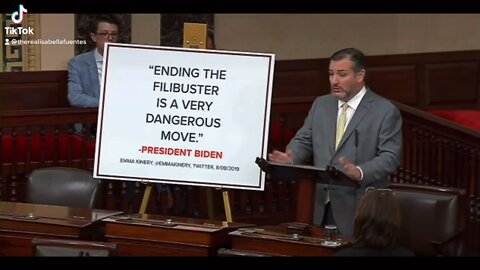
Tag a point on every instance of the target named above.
point(341, 124)
point(340, 129)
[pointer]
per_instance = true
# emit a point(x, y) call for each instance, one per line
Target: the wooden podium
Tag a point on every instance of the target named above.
point(307, 177)
point(290, 239)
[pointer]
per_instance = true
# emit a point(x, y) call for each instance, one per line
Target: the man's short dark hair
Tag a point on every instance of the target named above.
point(355, 55)
point(108, 18)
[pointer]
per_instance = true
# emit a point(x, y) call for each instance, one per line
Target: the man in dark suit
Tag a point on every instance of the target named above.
point(362, 138)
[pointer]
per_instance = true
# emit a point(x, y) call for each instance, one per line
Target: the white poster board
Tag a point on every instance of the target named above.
point(183, 116)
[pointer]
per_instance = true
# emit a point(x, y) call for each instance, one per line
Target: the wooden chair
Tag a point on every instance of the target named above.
point(71, 248)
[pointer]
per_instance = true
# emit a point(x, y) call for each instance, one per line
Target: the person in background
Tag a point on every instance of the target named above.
point(84, 76)
point(352, 129)
point(85, 70)
point(377, 226)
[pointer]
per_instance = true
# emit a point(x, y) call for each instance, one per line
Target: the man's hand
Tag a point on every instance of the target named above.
point(351, 169)
point(281, 157)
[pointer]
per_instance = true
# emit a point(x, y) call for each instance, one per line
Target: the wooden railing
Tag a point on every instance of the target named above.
point(32, 139)
point(441, 153)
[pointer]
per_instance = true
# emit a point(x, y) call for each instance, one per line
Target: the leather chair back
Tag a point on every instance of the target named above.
point(71, 248)
point(430, 214)
point(69, 187)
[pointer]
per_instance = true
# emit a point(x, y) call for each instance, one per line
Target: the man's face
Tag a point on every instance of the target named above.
point(345, 83)
point(106, 32)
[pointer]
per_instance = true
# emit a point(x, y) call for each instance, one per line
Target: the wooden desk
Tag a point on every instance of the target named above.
point(151, 235)
point(277, 241)
point(21, 222)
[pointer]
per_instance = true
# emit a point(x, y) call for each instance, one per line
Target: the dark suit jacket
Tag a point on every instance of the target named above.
point(376, 148)
point(83, 84)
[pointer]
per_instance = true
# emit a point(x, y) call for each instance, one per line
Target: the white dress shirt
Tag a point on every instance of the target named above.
point(99, 61)
point(352, 107)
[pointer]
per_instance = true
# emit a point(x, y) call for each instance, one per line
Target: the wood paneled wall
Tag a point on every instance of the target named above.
point(31, 90)
point(427, 81)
